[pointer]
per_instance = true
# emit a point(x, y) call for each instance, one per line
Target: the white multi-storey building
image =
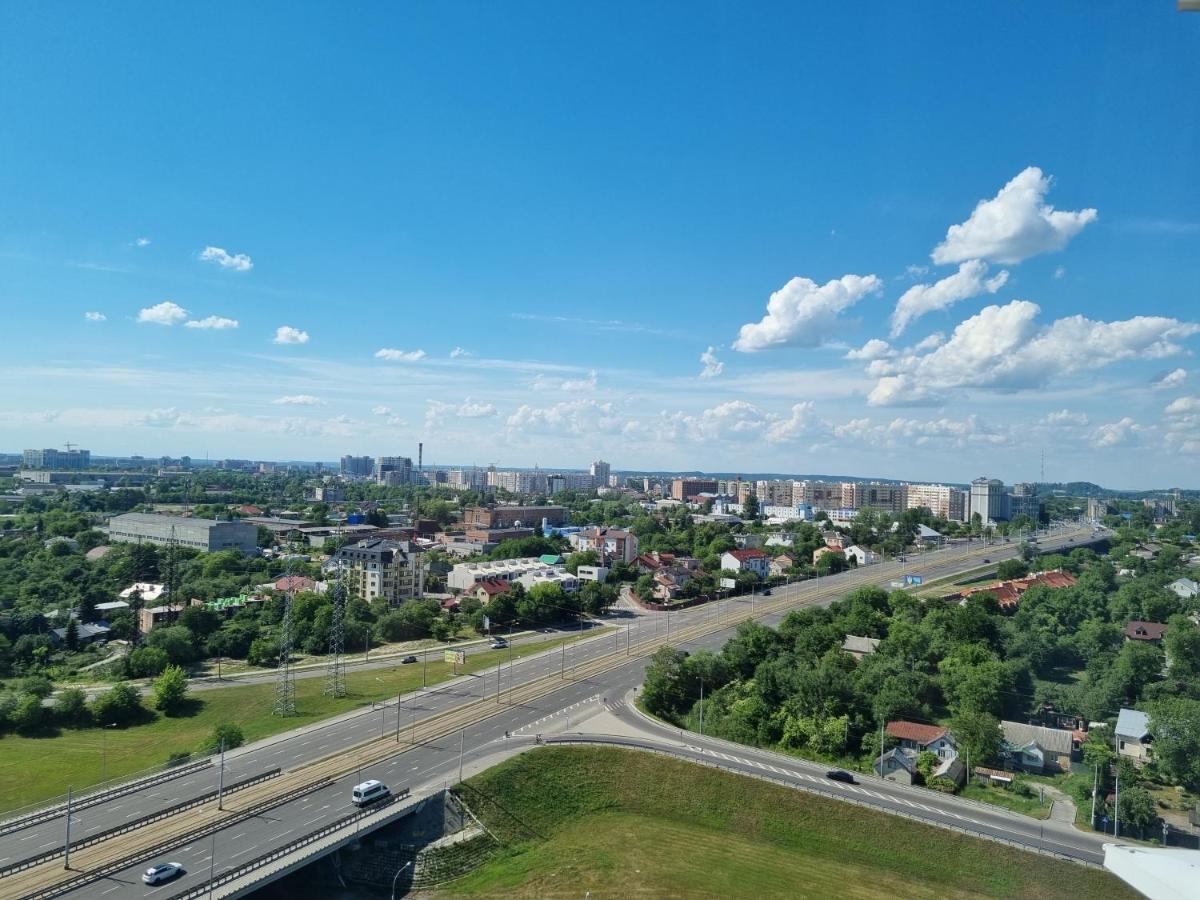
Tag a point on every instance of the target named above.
point(942, 500)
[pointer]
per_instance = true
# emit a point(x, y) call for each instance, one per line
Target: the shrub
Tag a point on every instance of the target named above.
point(226, 734)
point(147, 662)
point(70, 708)
point(170, 690)
point(122, 705)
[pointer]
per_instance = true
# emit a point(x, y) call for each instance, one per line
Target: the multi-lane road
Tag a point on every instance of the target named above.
point(606, 665)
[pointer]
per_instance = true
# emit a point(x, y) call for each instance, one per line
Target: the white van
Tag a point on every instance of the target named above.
point(369, 792)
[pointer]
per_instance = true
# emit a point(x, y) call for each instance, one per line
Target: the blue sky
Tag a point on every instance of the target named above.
point(562, 226)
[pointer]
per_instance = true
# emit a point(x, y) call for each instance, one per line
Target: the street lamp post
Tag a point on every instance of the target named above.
point(104, 751)
point(397, 878)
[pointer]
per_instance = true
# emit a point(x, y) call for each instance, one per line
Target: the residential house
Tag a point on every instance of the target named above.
point(552, 575)
point(1008, 593)
point(611, 543)
point(746, 561)
point(745, 541)
point(897, 765)
point(1133, 735)
point(1036, 748)
point(1184, 588)
point(1147, 632)
point(149, 617)
point(648, 563)
point(821, 551)
point(918, 738)
point(900, 763)
point(861, 555)
point(485, 590)
point(85, 633)
point(781, 563)
point(858, 647)
point(598, 574)
point(148, 592)
point(781, 539)
point(836, 540)
point(670, 582)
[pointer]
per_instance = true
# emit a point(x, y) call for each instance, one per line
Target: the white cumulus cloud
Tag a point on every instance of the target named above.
point(165, 313)
point(803, 313)
point(239, 262)
point(967, 282)
point(1004, 347)
point(382, 410)
point(1183, 406)
point(142, 242)
point(712, 366)
point(1172, 379)
point(1117, 434)
point(219, 323)
point(458, 352)
point(286, 334)
point(575, 385)
point(299, 400)
point(394, 355)
point(95, 316)
point(872, 349)
point(438, 411)
point(1014, 225)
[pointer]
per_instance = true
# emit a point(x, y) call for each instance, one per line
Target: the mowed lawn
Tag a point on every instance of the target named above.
point(36, 769)
point(620, 823)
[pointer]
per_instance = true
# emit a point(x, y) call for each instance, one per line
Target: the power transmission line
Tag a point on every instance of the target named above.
point(285, 677)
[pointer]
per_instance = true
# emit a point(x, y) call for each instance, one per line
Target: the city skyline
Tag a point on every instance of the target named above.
point(602, 250)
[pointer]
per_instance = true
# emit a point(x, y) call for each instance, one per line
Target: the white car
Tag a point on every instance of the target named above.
point(499, 644)
point(162, 872)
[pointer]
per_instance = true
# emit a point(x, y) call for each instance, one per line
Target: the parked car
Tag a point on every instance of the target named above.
point(840, 775)
point(162, 872)
point(407, 660)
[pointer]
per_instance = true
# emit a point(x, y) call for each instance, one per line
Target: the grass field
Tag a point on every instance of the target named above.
point(621, 823)
point(34, 769)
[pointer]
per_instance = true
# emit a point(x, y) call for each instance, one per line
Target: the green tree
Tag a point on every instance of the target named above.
point(147, 662)
point(70, 708)
point(170, 690)
point(263, 652)
point(120, 705)
point(1011, 568)
point(1175, 727)
point(177, 641)
point(978, 735)
point(226, 735)
point(664, 688)
point(1137, 808)
point(750, 507)
point(71, 636)
point(28, 716)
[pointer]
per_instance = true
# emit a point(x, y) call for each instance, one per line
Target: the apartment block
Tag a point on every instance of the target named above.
point(376, 568)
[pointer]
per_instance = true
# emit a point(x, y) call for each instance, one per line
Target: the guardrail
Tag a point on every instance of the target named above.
point(103, 796)
point(119, 864)
point(26, 863)
point(202, 890)
point(716, 764)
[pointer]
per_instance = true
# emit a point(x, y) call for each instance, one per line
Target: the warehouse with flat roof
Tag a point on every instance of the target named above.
point(183, 531)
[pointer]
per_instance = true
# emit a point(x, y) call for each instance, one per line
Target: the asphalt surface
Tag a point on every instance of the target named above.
point(433, 763)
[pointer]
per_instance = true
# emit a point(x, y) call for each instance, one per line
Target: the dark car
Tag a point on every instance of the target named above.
point(408, 659)
point(840, 775)
point(766, 592)
point(986, 560)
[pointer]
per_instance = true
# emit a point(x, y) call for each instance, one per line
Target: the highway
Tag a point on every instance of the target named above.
point(616, 664)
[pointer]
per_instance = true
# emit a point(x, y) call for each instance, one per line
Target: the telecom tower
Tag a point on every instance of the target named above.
point(335, 677)
point(285, 678)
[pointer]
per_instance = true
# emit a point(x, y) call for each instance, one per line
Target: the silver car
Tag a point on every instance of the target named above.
point(162, 872)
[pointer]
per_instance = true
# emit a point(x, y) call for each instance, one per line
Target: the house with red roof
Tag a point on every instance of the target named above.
point(1146, 632)
point(749, 560)
point(1008, 593)
point(915, 738)
point(487, 588)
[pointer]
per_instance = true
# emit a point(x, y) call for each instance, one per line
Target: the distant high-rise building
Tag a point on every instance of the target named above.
point(682, 488)
point(393, 470)
point(1024, 501)
point(358, 466)
point(56, 459)
point(942, 500)
point(988, 500)
point(600, 470)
